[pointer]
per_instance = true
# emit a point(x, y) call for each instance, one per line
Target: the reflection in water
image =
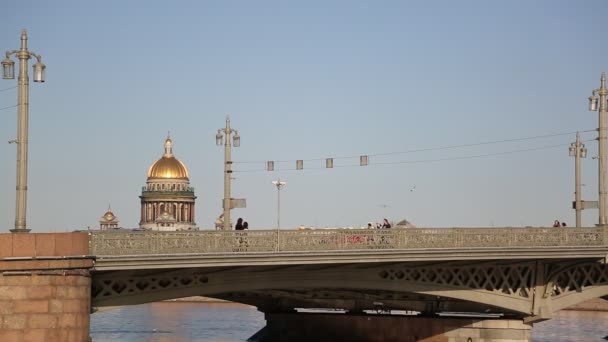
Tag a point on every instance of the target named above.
point(572, 326)
point(185, 322)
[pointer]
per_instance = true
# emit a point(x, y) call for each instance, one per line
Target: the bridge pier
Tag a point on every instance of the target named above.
point(344, 327)
point(45, 287)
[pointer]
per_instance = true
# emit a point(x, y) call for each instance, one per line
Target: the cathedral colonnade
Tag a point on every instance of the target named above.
point(182, 211)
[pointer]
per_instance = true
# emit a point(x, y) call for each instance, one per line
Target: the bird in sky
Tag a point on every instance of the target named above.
point(413, 188)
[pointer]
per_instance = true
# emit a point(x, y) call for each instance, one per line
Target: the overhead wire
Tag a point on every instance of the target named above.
point(9, 88)
point(9, 107)
point(429, 148)
point(423, 160)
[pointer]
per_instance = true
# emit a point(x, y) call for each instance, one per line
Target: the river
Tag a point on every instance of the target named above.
point(185, 321)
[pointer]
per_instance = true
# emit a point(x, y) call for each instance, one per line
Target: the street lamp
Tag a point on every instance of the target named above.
point(577, 150)
point(599, 102)
point(8, 72)
point(279, 184)
point(223, 137)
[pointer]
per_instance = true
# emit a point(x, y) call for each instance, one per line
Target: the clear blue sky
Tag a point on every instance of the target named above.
point(308, 80)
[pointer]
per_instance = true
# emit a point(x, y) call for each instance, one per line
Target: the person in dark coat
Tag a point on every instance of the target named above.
point(245, 225)
point(239, 224)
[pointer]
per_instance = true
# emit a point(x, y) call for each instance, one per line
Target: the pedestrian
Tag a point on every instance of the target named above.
point(239, 224)
point(386, 224)
point(563, 224)
point(556, 224)
point(245, 225)
point(370, 225)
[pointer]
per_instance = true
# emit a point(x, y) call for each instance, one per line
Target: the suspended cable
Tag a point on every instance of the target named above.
point(432, 148)
point(9, 88)
point(425, 160)
point(3, 108)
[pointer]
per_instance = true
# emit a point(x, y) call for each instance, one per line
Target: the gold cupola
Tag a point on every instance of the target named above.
point(108, 220)
point(168, 167)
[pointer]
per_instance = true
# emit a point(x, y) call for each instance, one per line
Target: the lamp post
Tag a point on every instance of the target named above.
point(578, 151)
point(8, 72)
point(279, 184)
point(599, 102)
point(223, 137)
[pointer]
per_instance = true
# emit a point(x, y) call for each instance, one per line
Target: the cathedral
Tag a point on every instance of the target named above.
point(167, 200)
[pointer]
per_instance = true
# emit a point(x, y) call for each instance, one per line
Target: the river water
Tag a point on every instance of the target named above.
point(184, 322)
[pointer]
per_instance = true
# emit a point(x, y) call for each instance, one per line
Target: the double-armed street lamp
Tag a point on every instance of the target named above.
point(8, 72)
point(577, 150)
point(598, 103)
point(223, 137)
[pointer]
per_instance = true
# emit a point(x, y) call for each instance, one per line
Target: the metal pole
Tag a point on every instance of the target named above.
point(278, 206)
point(227, 174)
point(602, 151)
point(278, 216)
point(577, 182)
point(22, 138)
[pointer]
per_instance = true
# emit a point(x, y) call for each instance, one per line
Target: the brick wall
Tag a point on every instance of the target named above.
point(45, 294)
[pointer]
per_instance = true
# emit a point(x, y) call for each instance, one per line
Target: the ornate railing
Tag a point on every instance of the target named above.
point(146, 242)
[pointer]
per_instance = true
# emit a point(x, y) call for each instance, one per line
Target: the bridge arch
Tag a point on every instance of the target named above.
point(507, 287)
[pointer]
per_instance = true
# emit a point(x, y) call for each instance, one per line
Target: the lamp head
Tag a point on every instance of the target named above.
point(218, 138)
point(572, 150)
point(39, 72)
point(236, 139)
point(583, 152)
point(8, 69)
point(593, 102)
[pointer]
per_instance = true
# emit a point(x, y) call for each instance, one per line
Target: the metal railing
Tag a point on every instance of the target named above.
point(108, 243)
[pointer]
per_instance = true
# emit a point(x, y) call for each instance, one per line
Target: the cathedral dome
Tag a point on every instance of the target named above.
point(168, 167)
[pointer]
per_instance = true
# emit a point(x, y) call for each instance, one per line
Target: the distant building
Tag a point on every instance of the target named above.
point(167, 200)
point(108, 220)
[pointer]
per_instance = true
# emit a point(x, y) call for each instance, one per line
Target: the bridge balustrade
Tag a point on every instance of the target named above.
point(109, 243)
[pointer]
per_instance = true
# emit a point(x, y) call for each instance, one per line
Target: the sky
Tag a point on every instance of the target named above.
point(309, 80)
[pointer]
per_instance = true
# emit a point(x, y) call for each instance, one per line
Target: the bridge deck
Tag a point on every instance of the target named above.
point(264, 247)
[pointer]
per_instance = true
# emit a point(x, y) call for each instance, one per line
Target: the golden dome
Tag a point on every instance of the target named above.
point(108, 216)
point(168, 166)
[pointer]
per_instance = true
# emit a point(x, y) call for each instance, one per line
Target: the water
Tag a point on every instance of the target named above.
point(184, 322)
point(583, 326)
point(177, 322)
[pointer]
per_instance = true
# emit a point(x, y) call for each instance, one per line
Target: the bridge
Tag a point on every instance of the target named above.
point(522, 275)
point(505, 278)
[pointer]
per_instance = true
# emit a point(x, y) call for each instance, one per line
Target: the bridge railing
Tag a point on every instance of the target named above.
point(108, 243)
